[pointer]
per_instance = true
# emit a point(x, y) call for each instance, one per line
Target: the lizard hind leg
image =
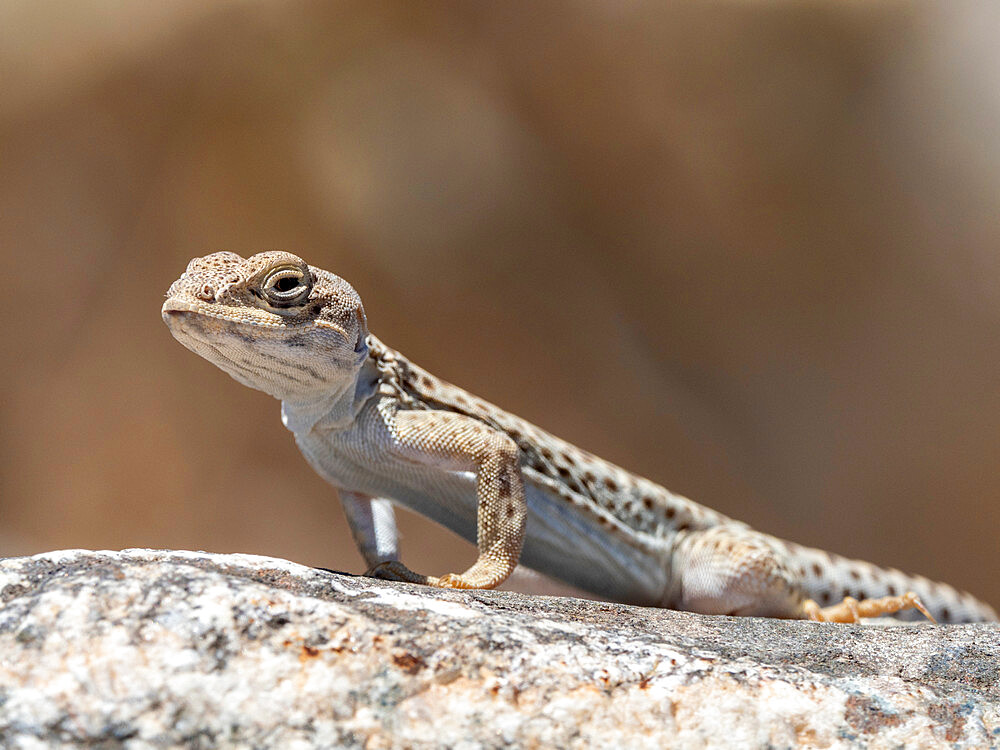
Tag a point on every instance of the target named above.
point(734, 571)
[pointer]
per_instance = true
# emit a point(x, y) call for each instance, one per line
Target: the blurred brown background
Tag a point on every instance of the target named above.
point(749, 250)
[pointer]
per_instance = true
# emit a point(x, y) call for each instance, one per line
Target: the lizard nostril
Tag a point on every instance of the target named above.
point(207, 292)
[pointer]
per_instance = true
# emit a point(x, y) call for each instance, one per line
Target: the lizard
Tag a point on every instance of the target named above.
point(385, 431)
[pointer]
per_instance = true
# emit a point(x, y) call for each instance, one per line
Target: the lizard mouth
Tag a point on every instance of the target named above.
point(174, 306)
point(179, 309)
point(179, 313)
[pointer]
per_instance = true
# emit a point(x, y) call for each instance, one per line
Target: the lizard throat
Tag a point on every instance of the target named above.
point(302, 364)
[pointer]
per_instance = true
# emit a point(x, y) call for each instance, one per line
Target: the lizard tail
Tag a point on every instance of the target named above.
point(828, 578)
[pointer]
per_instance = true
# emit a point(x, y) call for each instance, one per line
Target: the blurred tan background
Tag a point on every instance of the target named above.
point(748, 249)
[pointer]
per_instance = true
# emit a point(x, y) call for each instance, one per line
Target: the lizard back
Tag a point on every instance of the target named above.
point(609, 491)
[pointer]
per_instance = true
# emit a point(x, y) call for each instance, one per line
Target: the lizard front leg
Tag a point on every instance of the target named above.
point(373, 526)
point(446, 441)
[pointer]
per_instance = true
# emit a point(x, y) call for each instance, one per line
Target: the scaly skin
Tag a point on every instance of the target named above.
point(383, 431)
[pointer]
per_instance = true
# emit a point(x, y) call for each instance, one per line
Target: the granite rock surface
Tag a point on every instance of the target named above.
point(151, 649)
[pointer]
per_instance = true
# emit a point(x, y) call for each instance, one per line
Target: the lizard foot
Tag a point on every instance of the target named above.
point(852, 610)
point(474, 578)
point(394, 570)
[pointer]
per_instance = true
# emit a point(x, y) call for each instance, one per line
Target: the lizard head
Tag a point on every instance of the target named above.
point(271, 321)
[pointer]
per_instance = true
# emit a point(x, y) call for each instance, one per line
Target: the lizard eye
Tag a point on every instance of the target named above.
point(286, 286)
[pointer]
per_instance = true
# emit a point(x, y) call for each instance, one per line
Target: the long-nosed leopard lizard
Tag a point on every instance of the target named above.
point(383, 430)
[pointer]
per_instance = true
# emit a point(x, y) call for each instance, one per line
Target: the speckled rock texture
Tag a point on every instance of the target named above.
point(150, 649)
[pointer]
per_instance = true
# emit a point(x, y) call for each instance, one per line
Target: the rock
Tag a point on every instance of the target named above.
point(148, 649)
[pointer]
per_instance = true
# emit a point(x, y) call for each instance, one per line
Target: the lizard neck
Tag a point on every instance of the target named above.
point(336, 407)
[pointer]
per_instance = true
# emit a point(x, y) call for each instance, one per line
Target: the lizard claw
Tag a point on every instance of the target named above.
point(454, 581)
